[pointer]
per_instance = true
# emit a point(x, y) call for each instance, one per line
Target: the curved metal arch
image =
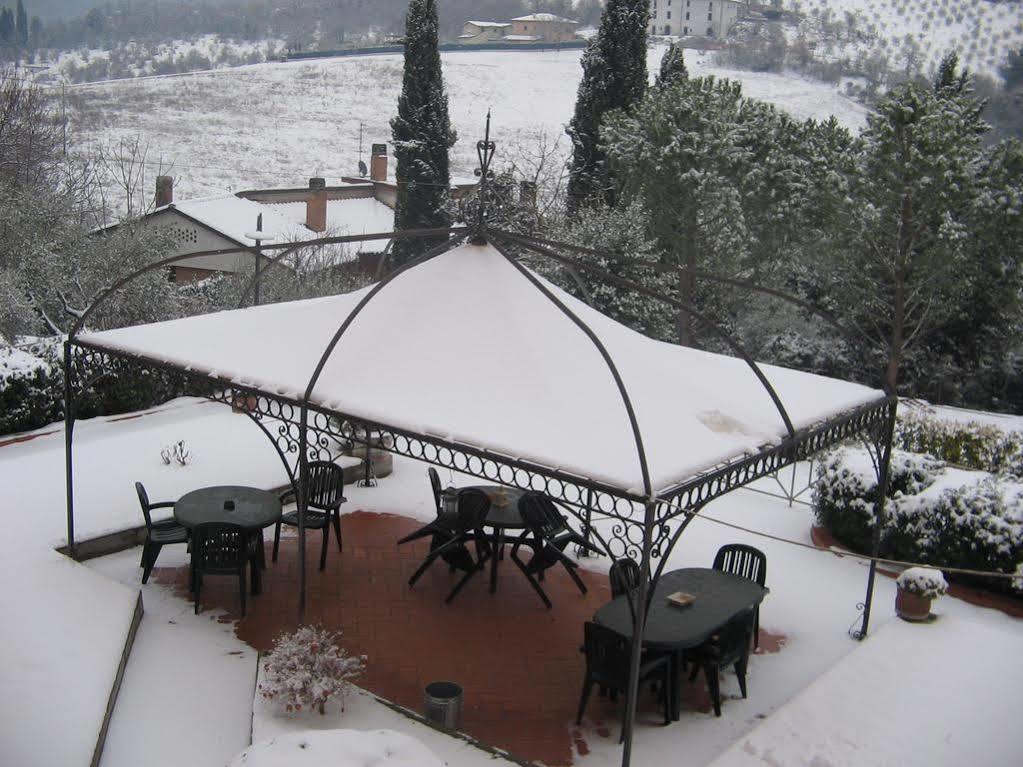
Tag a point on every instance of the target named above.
point(277, 448)
point(622, 390)
point(629, 284)
point(329, 350)
point(288, 247)
point(735, 282)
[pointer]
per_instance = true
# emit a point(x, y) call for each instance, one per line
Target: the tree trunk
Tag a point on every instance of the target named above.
point(686, 295)
point(891, 378)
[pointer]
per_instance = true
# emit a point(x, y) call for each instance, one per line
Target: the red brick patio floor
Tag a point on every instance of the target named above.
point(518, 662)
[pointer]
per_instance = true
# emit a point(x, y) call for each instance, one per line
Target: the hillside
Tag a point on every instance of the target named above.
point(279, 124)
point(914, 34)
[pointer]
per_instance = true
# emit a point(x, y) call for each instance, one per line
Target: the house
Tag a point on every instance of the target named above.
point(290, 214)
point(475, 32)
point(542, 27)
point(698, 18)
point(534, 28)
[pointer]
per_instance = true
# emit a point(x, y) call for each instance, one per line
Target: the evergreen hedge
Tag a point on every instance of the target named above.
point(935, 514)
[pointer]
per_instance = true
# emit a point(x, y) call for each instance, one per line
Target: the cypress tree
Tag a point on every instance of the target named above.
point(614, 77)
point(673, 67)
point(421, 134)
point(21, 24)
point(6, 26)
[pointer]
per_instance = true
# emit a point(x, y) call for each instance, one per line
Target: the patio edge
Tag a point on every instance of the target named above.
point(129, 642)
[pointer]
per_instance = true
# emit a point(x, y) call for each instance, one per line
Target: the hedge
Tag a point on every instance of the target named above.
point(936, 514)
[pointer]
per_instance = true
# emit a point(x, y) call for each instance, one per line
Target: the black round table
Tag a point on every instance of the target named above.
point(504, 515)
point(719, 597)
point(249, 507)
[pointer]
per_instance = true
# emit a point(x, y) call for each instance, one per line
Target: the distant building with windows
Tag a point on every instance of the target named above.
point(699, 18)
point(534, 28)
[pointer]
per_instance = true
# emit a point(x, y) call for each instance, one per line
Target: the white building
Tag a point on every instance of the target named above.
point(699, 18)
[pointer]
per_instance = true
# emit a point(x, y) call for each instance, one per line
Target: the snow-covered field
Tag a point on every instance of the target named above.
point(982, 32)
point(866, 708)
point(278, 124)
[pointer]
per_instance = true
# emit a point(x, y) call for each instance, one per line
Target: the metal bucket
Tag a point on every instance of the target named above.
point(442, 703)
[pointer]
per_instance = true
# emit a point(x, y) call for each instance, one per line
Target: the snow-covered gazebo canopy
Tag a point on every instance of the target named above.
point(467, 359)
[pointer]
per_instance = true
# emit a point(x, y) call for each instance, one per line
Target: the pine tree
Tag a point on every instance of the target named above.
point(614, 77)
point(905, 254)
point(422, 135)
point(673, 67)
point(21, 24)
point(719, 178)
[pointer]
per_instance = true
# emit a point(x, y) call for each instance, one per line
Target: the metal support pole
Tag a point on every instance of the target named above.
point(582, 551)
point(637, 632)
point(259, 256)
point(883, 473)
point(303, 494)
point(69, 430)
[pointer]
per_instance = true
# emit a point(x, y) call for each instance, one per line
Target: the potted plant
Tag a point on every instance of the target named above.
point(917, 586)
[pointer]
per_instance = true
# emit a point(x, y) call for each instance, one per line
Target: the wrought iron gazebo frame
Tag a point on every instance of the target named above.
point(643, 525)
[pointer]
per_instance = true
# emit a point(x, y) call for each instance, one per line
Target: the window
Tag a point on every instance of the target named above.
point(669, 14)
point(687, 15)
point(710, 17)
point(667, 29)
point(710, 31)
point(685, 30)
point(653, 30)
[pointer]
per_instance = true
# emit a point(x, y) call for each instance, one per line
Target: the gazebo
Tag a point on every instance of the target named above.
point(466, 358)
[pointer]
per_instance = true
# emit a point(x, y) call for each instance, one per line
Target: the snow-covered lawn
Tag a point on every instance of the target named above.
point(278, 124)
point(189, 686)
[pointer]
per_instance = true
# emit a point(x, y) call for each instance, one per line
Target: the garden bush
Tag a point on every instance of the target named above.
point(308, 667)
point(935, 513)
point(970, 445)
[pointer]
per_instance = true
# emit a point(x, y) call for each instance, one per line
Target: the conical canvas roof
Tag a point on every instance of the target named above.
point(465, 348)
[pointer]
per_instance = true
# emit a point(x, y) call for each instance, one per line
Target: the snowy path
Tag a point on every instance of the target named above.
point(186, 697)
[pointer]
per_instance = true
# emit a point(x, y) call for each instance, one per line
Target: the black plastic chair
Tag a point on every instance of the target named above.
point(451, 547)
point(443, 523)
point(729, 647)
point(747, 562)
point(326, 485)
point(625, 575)
point(159, 534)
point(548, 534)
point(608, 655)
point(222, 548)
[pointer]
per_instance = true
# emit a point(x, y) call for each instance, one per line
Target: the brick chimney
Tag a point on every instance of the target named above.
point(316, 205)
point(164, 190)
point(378, 163)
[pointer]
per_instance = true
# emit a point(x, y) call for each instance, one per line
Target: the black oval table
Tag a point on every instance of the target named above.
point(718, 598)
point(251, 508)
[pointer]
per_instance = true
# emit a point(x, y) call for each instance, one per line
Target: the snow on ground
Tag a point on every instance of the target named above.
point(828, 724)
point(365, 713)
point(64, 612)
point(280, 123)
point(338, 748)
point(982, 32)
point(186, 697)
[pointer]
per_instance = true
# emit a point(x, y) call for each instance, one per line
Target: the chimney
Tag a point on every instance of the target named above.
point(378, 163)
point(164, 190)
point(316, 205)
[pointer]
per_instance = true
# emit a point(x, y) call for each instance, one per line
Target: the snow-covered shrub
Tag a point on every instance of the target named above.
point(923, 581)
point(28, 392)
point(846, 488)
point(308, 667)
point(970, 445)
point(935, 513)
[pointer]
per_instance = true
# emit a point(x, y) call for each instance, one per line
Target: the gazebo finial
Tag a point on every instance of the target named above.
point(485, 152)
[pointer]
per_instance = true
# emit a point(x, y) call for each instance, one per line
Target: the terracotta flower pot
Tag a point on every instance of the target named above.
point(912, 607)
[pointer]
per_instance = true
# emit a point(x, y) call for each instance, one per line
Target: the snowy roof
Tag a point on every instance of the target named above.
point(523, 38)
point(234, 216)
point(489, 23)
point(544, 17)
point(364, 215)
point(464, 348)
